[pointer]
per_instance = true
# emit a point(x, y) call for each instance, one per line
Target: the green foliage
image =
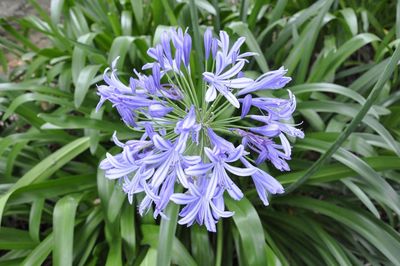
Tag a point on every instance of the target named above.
point(342, 201)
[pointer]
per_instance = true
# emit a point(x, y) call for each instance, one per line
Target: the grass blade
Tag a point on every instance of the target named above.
point(83, 82)
point(63, 226)
point(241, 29)
point(250, 230)
point(167, 234)
point(47, 167)
point(387, 72)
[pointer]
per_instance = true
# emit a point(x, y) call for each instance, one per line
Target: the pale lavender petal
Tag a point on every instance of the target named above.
point(236, 46)
point(219, 143)
point(165, 41)
point(211, 94)
point(233, 71)
point(210, 154)
point(238, 83)
point(231, 98)
point(224, 38)
point(271, 130)
point(198, 169)
point(160, 143)
point(158, 110)
point(240, 171)
point(181, 199)
point(214, 47)
point(161, 172)
point(221, 213)
point(246, 104)
point(178, 58)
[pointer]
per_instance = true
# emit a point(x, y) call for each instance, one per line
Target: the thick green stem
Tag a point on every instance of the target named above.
point(220, 238)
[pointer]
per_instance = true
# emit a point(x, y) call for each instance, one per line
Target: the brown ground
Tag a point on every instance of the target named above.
point(15, 9)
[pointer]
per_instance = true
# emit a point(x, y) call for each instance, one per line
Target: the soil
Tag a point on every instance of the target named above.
point(20, 8)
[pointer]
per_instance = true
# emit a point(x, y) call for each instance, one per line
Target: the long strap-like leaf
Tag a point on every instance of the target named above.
point(387, 72)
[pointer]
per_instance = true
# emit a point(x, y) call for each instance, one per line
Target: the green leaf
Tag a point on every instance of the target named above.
point(379, 188)
point(56, 7)
point(351, 19)
point(30, 97)
point(378, 233)
point(46, 167)
point(85, 79)
point(387, 72)
point(295, 23)
point(196, 35)
point(241, 29)
point(115, 203)
point(201, 246)
point(11, 238)
point(53, 188)
point(79, 55)
point(250, 229)
point(398, 20)
point(301, 53)
point(63, 229)
point(126, 22)
point(335, 172)
point(76, 122)
point(128, 232)
point(179, 254)
point(169, 12)
point(35, 218)
point(331, 63)
point(362, 196)
point(137, 8)
point(3, 61)
point(119, 48)
point(167, 234)
point(40, 252)
point(150, 259)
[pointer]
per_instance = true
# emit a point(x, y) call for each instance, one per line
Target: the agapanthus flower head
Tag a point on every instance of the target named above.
point(187, 141)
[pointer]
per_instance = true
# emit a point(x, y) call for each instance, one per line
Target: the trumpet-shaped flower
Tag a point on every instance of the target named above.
point(204, 204)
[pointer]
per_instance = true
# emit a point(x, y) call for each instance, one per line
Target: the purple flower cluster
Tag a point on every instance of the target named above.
point(183, 128)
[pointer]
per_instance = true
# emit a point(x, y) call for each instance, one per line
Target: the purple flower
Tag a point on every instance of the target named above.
point(264, 183)
point(274, 127)
point(179, 147)
point(118, 166)
point(204, 204)
point(159, 110)
point(246, 104)
point(163, 55)
point(169, 156)
point(124, 163)
point(230, 55)
point(165, 192)
point(224, 82)
point(189, 125)
point(270, 80)
point(267, 149)
point(220, 144)
point(136, 184)
point(218, 167)
point(165, 42)
point(276, 108)
point(187, 47)
point(207, 42)
point(214, 47)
